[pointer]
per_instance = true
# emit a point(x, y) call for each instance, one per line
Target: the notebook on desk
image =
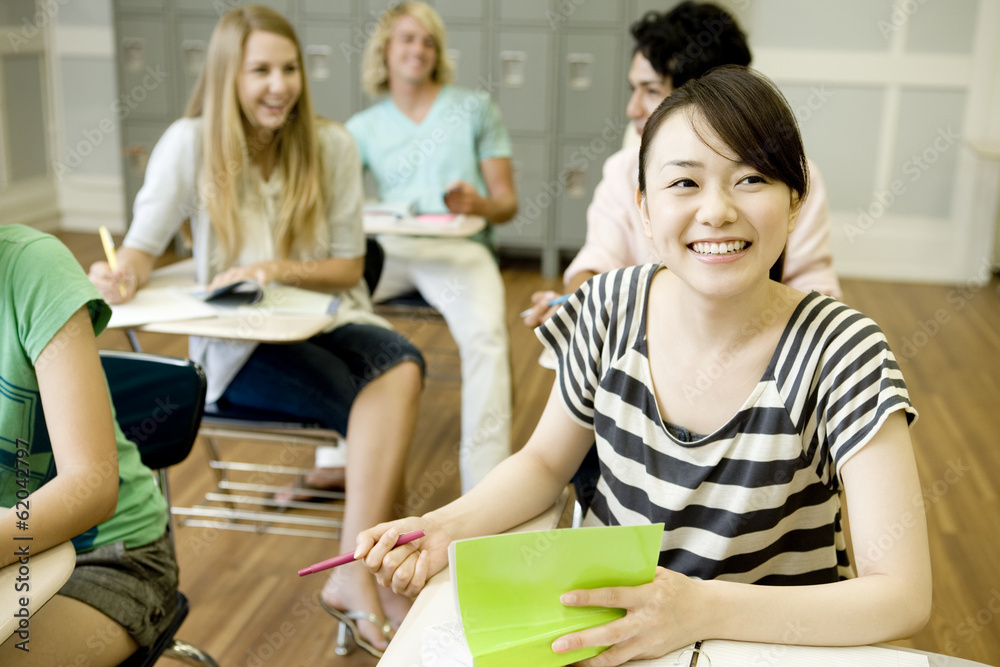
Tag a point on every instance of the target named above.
point(507, 590)
point(153, 305)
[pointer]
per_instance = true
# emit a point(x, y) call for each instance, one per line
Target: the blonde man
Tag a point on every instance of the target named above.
point(443, 149)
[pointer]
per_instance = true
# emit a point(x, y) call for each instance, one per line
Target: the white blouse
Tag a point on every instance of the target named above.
point(170, 195)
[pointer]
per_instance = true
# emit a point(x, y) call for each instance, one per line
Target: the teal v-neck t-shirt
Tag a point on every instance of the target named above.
point(414, 162)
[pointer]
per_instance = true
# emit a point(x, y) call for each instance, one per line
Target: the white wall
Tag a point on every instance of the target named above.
point(87, 159)
point(897, 102)
point(27, 189)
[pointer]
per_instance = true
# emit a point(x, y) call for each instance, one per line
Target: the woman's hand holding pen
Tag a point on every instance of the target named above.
point(110, 283)
point(405, 569)
point(541, 308)
point(660, 617)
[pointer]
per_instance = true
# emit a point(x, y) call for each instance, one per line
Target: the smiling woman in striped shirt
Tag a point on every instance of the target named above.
point(732, 408)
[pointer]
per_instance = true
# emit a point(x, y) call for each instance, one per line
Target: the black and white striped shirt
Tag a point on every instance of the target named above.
point(756, 501)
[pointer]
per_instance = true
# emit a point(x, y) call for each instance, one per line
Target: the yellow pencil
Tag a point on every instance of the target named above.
point(109, 251)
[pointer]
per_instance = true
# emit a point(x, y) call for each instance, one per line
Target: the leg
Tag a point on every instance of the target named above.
point(393, 281)
point(68, 632)
point(365, 382)
point(379, 432)
point(460, 279)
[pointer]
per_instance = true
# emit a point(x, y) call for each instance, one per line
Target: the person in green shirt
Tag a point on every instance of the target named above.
point(67, 472)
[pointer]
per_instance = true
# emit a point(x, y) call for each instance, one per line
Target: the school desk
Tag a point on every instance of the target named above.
point(44, 574)
point(436, 604)
point(243, 325)
point(254, 511)
point(455, 226)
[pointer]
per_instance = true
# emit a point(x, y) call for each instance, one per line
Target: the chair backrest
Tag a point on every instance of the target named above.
point(374, 261)
point(159, 402)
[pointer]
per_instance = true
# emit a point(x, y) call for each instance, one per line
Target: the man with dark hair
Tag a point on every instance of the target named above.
point(670, 49)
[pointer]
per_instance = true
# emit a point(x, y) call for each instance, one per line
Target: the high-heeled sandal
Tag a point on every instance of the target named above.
point(348, 627)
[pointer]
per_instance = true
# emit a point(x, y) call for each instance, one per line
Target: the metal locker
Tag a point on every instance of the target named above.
point(590, 73)
point(522, 77)
point(519, 11)
point(139, 4)
point(465, 45)
point(219, 7)
point(332, 82)
point(146, 70)
point(193, 34)
point(586, 13)
point(531, 176)
point(138, 140)
point(459, 9)
point(579, 171)
point(342, 9)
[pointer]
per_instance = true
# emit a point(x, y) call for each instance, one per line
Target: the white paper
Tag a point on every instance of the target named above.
point(725, 653)
point(444, 646)
point(159, 304)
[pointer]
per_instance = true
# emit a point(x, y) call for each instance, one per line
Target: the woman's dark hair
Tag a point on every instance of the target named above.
point(689, 40)
point(751, 117)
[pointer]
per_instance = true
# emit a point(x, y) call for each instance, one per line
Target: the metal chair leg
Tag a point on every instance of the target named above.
point(189, 655)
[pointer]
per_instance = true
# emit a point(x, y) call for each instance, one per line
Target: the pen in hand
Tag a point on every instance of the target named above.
point(109, 252)
point(554, 302)
point(342, 559)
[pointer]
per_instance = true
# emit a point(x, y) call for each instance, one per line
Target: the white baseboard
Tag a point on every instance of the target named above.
point(902, 249)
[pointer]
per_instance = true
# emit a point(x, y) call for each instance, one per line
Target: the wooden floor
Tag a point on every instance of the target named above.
point(249, 608)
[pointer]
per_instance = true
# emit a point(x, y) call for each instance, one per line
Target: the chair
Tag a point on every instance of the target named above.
point(243, 498)
point(162, 398)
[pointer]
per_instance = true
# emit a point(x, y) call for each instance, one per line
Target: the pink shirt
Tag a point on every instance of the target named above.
point(615, 237)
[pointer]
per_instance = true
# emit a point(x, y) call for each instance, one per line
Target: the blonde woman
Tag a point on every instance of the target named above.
point(274, 193)
point(443, 149)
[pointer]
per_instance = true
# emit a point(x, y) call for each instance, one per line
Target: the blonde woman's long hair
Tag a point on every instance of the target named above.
point(225, 153)
point(375, 74)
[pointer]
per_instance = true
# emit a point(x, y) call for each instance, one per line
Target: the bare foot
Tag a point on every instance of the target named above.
point(352, 588)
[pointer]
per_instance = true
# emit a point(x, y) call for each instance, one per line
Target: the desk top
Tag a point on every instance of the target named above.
point(249, 325)
point(421, 225)
point(46, 573)
point(436, 604)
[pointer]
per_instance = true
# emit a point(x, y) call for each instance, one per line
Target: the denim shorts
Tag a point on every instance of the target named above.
point(318, 379)
point(137, 588)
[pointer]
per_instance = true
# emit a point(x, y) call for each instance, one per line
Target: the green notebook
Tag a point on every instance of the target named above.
point(508, 587)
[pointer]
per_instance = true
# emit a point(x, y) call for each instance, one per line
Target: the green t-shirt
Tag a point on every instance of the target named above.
point(41, 287)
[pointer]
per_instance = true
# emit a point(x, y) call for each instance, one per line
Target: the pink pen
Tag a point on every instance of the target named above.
point(405, 538)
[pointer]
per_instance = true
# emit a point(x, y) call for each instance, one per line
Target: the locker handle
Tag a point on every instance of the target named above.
point(576, 183)
point(138, 156)
point(194, 56)
point(512, 68)
point(134, 54)
point(579, 70)
point(318, 61)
